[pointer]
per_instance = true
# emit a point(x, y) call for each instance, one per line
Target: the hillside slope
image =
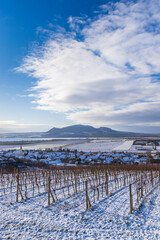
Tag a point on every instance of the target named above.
point(86, 131)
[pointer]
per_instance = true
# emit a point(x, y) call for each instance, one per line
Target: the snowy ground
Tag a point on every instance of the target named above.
point(124, 146)
point(43, 145)
point(110, 145)
point(85, 145)
point(97, 146)
point(67, 219)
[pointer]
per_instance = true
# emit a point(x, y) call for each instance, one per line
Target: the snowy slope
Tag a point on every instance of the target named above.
point(67, 219)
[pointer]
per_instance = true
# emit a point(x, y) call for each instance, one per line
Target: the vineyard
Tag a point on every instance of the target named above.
point(83, 202)
point(92, 183)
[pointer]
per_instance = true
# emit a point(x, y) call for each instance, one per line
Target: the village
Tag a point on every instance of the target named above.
point(66, 157)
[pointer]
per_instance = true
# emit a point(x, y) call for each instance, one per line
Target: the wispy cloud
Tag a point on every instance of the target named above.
point(105, 71)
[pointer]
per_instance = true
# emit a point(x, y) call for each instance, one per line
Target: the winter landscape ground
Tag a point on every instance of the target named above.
point(108, 219)
point(28, 211)
point(81, 193)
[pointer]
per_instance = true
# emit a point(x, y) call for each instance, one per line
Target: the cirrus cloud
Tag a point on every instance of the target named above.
point(105, 71)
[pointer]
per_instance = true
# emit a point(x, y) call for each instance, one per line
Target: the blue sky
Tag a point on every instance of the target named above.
point(66, 62)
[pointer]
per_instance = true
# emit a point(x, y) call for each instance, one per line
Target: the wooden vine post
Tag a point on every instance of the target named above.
point(50, 194)
point(49, 190)
point(88, 203)
point(141, 186)
point(106, 183)
point(75, 177)
point(131, 198)
point(18, 189)
point(152, 178)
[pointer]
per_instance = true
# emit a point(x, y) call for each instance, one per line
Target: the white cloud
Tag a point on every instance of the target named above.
point(139, 113)
point(107, 74)
point(76, 22)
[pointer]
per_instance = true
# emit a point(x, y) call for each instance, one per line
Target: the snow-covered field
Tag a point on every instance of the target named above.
point(54, 144)
point(111, 145)
point(124, 146)
point(109, 218)
point(96, 146)
point(85, 145)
